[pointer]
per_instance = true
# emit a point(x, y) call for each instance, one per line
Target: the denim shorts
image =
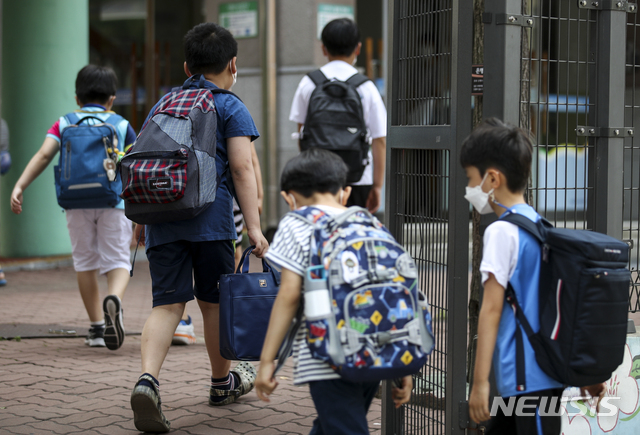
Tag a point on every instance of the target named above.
point(183, 270)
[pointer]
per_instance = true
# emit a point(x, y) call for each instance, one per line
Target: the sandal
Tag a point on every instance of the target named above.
point(145, 403)
point(246, 372)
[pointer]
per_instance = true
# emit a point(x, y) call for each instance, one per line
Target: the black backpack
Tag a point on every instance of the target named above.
point(583, 303)
point(335, 121)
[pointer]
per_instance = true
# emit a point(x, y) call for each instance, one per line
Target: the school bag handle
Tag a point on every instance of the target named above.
point(243, 266)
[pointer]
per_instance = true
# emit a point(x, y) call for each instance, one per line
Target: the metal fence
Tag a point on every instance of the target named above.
point(425, 194)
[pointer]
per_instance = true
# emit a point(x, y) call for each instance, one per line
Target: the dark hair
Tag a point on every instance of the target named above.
point(314, 170)
point(340, 37)
point(208, 48)
point(494, 144)
point(96, 84)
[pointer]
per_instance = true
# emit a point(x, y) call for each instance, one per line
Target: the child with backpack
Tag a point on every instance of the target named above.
point(497, 161)
point(313, 184)
point(201, 248)
point(99, 231)
point(338, 109)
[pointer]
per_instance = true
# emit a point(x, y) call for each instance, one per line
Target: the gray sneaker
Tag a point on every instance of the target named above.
point(114, 328)
point(146, 407)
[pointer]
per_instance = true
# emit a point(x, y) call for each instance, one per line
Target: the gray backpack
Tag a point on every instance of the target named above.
point(170, 172)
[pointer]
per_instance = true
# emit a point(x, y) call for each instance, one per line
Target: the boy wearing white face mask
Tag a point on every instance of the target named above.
point(497, 160)
point(202, 248)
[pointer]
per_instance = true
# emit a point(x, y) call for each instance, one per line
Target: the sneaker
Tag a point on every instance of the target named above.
point(185, 333)
point(246, 372)
point(146, 407)
point(114, 329)
point(95, 338)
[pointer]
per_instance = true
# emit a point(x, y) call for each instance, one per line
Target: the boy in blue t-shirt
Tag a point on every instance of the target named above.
point(497, 160)
point(201, 249)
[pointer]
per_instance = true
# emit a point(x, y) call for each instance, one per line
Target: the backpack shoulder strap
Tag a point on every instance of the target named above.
point(114, 119)
point(72, 118)
point(535, 229)
point(318, 77)
point(357, 79)
point(224, 91)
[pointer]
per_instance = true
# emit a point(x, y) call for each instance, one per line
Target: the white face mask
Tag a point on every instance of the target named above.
point(478, 198)
point(341, 196)
point(293, 198)
point(234, 75)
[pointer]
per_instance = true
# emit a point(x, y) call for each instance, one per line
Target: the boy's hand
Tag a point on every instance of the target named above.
point(265, 381)
point(16, 200)
point(402, 395)
point(596, 391)
point(479, 402)
point(374, 199)
point(257, 239)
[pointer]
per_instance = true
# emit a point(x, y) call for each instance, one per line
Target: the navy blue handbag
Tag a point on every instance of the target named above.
point(246, 300)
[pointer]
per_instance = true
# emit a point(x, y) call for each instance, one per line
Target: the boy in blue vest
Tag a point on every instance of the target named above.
point(315, 177)
point(100, 237)
point(497, 160)
point(201, 249)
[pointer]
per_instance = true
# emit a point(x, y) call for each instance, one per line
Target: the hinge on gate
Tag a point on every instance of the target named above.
point(608, 5)
point(582, 130)
point(464, 421)
point(514, 20)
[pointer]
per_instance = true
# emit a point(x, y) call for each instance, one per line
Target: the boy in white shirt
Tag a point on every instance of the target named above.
point(341, 44)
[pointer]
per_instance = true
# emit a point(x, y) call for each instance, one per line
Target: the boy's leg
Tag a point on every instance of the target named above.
point(211, 319)
point(170, 267)
point(117, 281)
point(157, 335)
point(90, 294)
point(342, 406)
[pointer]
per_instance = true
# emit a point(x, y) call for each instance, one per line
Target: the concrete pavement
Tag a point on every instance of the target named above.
point(58, 385)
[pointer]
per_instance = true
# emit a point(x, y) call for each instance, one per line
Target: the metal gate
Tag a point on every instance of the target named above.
point(430, 115)
point(579, 69)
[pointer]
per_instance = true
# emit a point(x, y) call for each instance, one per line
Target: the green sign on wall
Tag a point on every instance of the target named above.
point(240, 18)
point(328, 13)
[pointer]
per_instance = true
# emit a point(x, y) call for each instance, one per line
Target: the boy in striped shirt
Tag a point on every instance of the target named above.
point(315, 178)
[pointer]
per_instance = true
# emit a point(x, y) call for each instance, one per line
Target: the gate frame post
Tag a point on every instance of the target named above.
point(608, 87)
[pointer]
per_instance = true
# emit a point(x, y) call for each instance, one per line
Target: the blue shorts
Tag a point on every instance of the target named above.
point(175, 266)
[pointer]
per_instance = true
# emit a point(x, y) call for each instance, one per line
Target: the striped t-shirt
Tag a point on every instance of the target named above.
point(290, 250)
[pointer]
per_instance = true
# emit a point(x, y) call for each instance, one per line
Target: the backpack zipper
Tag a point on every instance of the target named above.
point(67, 174)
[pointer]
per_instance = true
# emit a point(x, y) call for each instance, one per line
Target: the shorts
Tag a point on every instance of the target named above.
point(238, 221)
point(359, 195)
point(100, 239)
point(548, 422)
point(175, 266)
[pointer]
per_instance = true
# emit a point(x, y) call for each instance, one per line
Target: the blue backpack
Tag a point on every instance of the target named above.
point(363, 311)
point(86, 175)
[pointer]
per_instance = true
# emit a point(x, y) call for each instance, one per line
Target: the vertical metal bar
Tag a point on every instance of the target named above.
point(502, 65)
point(458, 235)
point(610, 113)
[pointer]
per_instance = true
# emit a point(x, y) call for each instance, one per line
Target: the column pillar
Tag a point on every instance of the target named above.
point(44, 45)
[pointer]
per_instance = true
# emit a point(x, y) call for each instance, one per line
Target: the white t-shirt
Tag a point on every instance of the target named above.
point(373, 110)
point(290, 249)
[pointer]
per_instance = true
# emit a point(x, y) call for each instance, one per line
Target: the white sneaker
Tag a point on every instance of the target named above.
point(95, 338)
point(185, 333)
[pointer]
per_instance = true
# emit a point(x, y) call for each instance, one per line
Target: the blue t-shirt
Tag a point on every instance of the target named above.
point(513, 255)
point(216, 222)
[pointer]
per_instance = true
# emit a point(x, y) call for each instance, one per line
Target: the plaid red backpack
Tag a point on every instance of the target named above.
point(170, 172)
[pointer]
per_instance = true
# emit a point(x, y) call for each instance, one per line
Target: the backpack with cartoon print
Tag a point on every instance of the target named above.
point(364, 313)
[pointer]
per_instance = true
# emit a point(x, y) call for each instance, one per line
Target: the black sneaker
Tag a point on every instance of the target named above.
point(114, 330)
point(146, 407)
point(95, 338)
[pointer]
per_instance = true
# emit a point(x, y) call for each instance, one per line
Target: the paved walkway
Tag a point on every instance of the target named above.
point(61, 386)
